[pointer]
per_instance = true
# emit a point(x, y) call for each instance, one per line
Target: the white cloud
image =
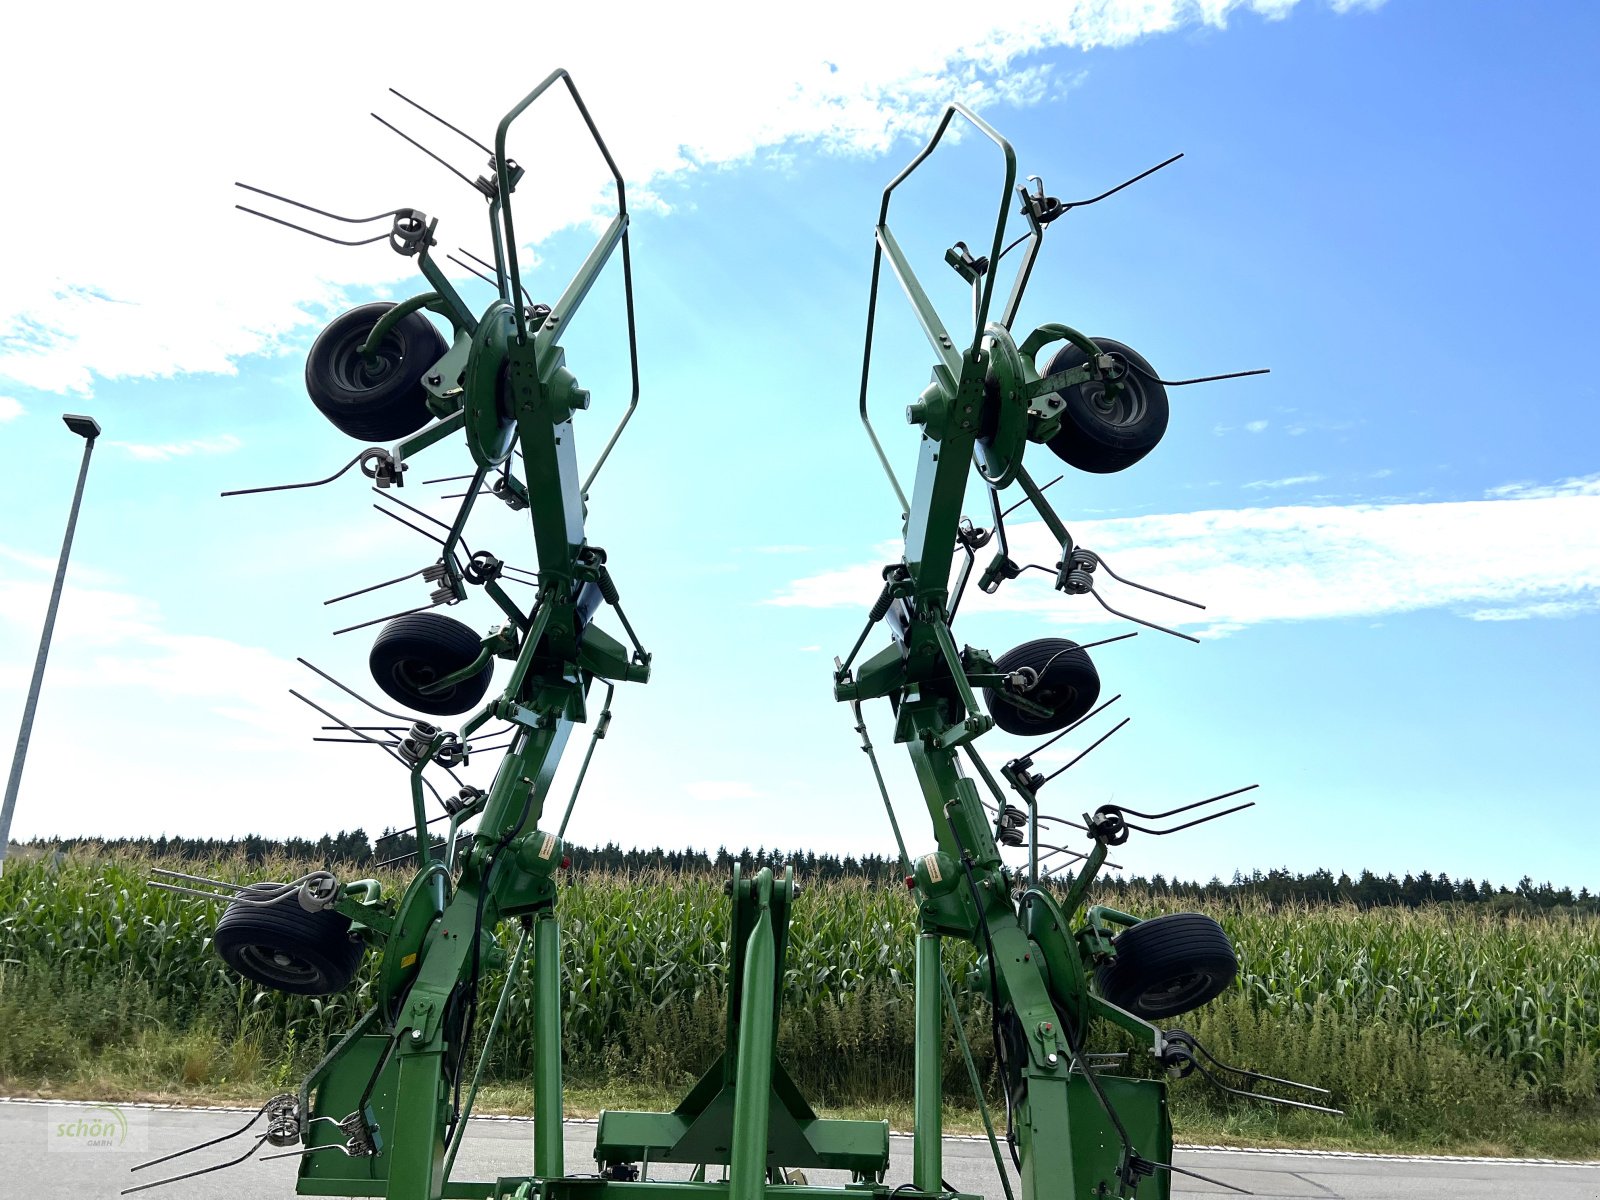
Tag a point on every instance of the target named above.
point(189, 710)
point(1255, 426)
point(10, 408)
point(1290, 481)
point(1302, 562)
point(161, 452)
point(1577, 485)
point(151, 272)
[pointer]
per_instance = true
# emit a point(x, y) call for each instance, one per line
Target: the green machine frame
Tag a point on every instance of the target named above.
point(385, 1112)
point(1073, 1129)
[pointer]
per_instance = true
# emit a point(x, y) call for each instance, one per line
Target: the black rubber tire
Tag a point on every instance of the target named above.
point(287, 949)
point(381, 403)
point(1168, 965)
point(1068, 685)
point(413, 651)
point(1104, 440)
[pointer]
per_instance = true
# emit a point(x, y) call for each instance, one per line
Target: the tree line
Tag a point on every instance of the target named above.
point(1279, 886)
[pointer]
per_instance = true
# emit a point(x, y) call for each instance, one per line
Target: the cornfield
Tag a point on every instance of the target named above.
point(1392, 1008)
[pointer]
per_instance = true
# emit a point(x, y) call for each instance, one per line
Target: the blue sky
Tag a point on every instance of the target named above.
point(1397, 531)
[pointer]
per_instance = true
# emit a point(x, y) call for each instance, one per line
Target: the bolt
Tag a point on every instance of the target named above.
point(416, 1035)
point(1052, 1058)
point(433, 380)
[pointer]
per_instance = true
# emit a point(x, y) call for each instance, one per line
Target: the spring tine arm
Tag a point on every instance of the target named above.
point(144, 1187)
point(1255, 1075)
point(381, 620)
point(1248, 1095)
point(203, 1145)
point(1092, 745)
point(284, 487)
point(256, 212)
point(1196, 1175)
point(1094, 712)
point(419, 529)
point(383, 216)
point(376, 586)
point(194, 878)
point(442, 121)
point(185, 891)
point(401, 717)
point(466, 179)
point(1191, 824)
point(1172, 812)
point(1144, 587)
point(1140, 621)
point(1125, 184)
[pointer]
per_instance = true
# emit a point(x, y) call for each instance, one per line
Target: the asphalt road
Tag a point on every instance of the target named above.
point(80, 1152)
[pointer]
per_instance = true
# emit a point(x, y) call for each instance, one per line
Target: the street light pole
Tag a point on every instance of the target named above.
point(88, 429)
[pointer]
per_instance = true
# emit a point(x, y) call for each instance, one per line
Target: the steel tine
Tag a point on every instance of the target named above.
point(284, 487)
point(1125, 184)
point(144, 1187)
point(193, 878)
point(376, 586)
point(405, 720)
point(393, 212)
point(1196, 1175)
point(187, 891)
point(1191, 824)
point(1212, 1058)
point(446, 124)
point(1146, 587)
point(1172, 812)
point(203, 1145)
point(1139, 620)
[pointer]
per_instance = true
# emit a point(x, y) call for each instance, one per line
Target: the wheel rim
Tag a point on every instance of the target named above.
point(412, 677)
point(357, 374)
point(1180, 991)
point(270, 963)
point(1117, 406)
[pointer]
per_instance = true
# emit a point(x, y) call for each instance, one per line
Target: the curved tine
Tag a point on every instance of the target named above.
point(185, 891)
point(442, 121)
point(1200, 378)
point(284, 487)
point(233, 1162)
point(393, 212)
point(357, 695)
point(426, 516)
point(1120, 186)
point(301, 1153)
point(486, 279)
point(379, 620)
point(1063, 821)
point(1025, 499)
point(1085, 753)
point(352, 729)
point(256, 212)
point(1143, 587)
point(459, 174)
point(1245, 1071)
point(394, 516)
point(376, 586)
point(1191, 824)
point(1172, 812)
point(1139, 620)
point(1093, 712)
point(1270, 1099)
point(1191, 1174)
point(232, 887)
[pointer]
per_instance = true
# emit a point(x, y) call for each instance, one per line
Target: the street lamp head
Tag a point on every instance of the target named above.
point(86, 427)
